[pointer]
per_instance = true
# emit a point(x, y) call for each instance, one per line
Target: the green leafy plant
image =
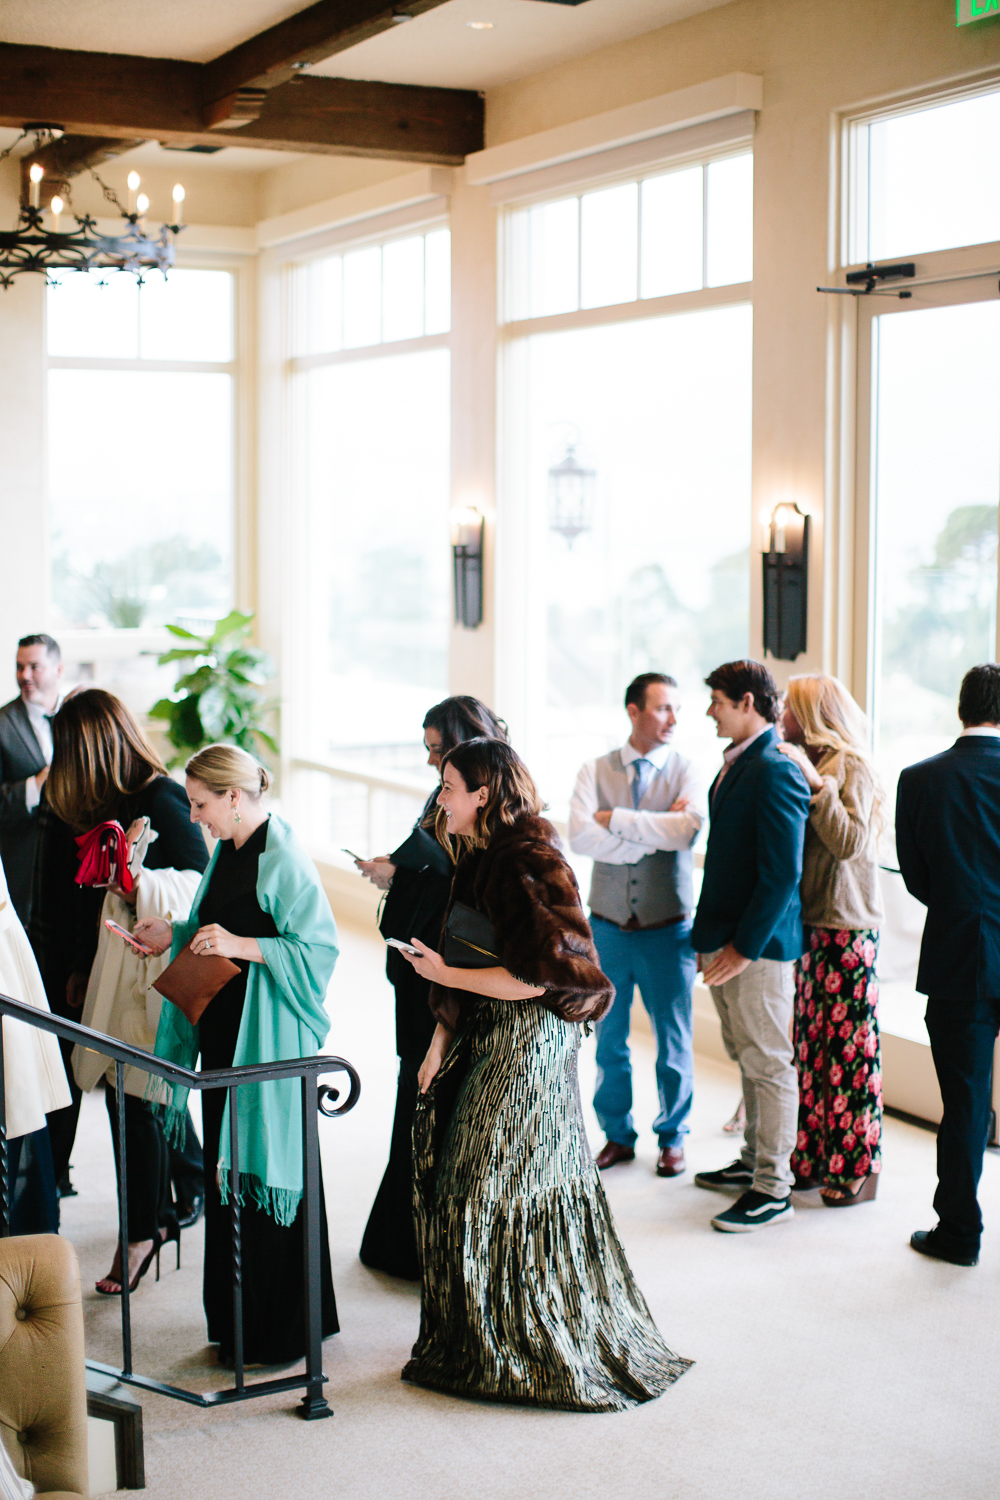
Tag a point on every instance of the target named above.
point(220, 698)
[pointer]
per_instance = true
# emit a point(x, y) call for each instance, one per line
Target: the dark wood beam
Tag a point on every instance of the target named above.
point(67, 158)
point(143, 98)
point(274, 56)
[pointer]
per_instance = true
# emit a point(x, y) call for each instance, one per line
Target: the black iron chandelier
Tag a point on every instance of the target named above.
point(43, 242)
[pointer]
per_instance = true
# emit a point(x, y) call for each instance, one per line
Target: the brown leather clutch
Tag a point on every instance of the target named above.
point(193, 980)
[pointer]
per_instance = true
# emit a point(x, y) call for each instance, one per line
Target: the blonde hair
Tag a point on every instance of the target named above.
point(831, 719)
point(100, 757)
point(225, 768)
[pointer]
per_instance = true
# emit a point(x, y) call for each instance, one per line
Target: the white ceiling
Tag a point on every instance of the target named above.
point(438, 48)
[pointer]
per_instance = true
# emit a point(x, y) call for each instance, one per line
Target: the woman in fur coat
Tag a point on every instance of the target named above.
point(526, 1292)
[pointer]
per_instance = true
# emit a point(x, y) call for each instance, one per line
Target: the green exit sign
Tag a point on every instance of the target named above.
point(976, 10)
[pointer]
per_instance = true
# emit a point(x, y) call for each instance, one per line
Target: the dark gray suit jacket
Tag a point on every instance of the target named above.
point(20, 757)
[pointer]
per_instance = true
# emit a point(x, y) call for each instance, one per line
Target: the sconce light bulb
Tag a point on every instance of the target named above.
point(142, 203)
point(57, 206)
point(36, 172)
point(133, 181)
point(178, 193)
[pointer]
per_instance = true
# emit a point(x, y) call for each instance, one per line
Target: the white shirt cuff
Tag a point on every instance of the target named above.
point(32, 796)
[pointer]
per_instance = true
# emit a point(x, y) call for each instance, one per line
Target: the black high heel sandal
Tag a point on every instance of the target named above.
point(171, 1231)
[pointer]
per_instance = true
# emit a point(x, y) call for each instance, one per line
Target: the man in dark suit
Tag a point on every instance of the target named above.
point(25, 753)
point(748, 933)
point(948, 842)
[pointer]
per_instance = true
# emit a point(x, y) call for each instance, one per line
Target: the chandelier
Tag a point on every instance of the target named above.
point(56, 239)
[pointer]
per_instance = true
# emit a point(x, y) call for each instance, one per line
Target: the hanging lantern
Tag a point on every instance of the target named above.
point(571, 496)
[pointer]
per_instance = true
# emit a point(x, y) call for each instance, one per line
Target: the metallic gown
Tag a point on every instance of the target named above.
point(527, 1295)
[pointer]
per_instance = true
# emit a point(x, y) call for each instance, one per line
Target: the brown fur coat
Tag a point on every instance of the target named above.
point(524, 885)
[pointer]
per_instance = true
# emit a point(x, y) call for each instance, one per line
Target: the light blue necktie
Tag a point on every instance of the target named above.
point(643, 775)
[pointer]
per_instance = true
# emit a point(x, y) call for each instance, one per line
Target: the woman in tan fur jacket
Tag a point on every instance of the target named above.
point(836, 1003)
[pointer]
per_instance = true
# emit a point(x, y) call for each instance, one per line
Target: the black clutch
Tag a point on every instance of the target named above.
point(421, 851)
point(469, 939)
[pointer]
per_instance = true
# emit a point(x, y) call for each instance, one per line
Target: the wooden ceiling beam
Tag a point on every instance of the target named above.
point(274, 56)
point(142, 98)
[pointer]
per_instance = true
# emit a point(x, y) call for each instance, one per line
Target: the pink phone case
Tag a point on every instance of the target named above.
point(127, 937)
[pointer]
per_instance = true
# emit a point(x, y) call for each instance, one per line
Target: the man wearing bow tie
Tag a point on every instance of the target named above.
point(637, 812)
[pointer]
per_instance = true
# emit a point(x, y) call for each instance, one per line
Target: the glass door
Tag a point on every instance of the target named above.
point(929, 369)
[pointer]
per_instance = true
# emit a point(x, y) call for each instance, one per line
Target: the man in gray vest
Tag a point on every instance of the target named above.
point(636, 813)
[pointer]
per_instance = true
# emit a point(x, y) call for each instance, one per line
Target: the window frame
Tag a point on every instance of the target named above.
point(119, 641)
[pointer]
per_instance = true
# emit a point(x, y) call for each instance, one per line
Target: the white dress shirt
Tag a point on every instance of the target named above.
point(41, 727)
point(634, 833)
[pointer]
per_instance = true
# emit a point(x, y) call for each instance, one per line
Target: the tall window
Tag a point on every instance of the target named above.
point(140, 463)
point(924, 183)
point(627, 453)
point(370, 384)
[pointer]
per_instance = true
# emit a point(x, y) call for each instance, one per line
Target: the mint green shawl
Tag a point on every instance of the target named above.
point(283, 1016)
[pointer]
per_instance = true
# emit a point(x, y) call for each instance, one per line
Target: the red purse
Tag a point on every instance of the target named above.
point(103, 857)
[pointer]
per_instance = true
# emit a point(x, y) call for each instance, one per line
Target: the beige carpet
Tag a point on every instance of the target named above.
point(831, 1360)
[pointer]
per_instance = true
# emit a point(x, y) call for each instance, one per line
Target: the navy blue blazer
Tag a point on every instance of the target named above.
point(948, 842)
point(753, 862)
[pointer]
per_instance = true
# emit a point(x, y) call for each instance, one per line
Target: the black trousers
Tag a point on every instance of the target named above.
point(962, 1032)
point(147, 1165)
point(63, 1122)
point(187, 1166)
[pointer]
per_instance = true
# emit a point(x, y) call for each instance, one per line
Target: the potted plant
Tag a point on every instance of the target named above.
point(220, 697)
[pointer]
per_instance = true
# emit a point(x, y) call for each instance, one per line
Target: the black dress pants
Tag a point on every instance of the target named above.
point(147, 1165)
point(962, 1032)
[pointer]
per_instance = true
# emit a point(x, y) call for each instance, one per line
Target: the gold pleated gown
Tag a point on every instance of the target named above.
point(527, 1294)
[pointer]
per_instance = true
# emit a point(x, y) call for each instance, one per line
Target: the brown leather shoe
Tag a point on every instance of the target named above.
point(670, 1162)
point(611, 1153)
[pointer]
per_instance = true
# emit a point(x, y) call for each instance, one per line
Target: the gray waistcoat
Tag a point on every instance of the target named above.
point(654, 890)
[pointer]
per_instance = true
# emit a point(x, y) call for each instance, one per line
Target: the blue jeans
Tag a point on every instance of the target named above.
point(662, 963)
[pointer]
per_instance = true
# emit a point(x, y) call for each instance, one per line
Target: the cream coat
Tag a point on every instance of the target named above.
point(34, 1077)
point(120, 1002)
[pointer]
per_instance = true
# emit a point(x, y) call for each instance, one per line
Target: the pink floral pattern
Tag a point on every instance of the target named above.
point(838, 1058)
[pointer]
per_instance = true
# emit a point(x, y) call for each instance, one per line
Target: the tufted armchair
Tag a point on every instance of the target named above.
point(43, 1386)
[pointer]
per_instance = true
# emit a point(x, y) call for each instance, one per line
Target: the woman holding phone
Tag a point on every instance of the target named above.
point(104, 768)
point(417, 878)
point(527, 1295)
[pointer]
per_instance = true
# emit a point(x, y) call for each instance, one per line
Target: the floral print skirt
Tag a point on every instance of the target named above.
point(838, 1057)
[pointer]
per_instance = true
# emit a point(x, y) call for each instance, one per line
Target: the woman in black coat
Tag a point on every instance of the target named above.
point(417, 878)
point(103, 768)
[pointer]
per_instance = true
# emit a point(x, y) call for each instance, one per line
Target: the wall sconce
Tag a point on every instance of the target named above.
point(467, 529)
point(785, 543)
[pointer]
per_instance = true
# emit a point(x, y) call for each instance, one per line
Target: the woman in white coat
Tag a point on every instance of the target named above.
point(34, 1081)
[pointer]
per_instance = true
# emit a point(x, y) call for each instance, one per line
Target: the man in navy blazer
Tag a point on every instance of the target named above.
point(948, 842)
point(748, 934)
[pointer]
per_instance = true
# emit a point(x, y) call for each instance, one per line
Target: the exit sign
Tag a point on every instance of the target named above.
point(976, 10)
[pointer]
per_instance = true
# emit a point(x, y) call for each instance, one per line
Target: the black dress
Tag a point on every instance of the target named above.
point(414, 907)
point(273, 1276)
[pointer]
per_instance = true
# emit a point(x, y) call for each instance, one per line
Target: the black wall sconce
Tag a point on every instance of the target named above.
point(785, 541)
point(467, 530)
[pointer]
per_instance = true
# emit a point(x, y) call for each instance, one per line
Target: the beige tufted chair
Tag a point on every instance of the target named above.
point(43, 1383)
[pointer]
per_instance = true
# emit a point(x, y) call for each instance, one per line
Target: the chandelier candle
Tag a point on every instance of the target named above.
point(36, 174)
point(133, 180)
point(57, 207)
point(178, 197)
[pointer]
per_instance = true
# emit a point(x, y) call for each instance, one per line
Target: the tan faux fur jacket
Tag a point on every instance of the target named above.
point(522, 882)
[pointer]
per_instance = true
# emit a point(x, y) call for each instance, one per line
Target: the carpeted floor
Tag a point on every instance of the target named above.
point(831, 1360)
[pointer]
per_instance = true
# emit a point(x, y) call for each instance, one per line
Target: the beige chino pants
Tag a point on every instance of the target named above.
point(755, 1010)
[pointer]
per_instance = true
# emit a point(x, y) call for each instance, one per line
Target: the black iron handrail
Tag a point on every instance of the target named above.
point(317, 1098)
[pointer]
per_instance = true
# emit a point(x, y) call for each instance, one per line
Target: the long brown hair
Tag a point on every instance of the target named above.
point(100, 756)
point(511, 793)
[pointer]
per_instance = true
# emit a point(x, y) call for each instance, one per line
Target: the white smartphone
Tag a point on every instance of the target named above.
point(132, 941)
point(403, 947)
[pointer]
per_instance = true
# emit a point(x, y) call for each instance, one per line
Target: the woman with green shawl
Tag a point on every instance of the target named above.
point(261, 905)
